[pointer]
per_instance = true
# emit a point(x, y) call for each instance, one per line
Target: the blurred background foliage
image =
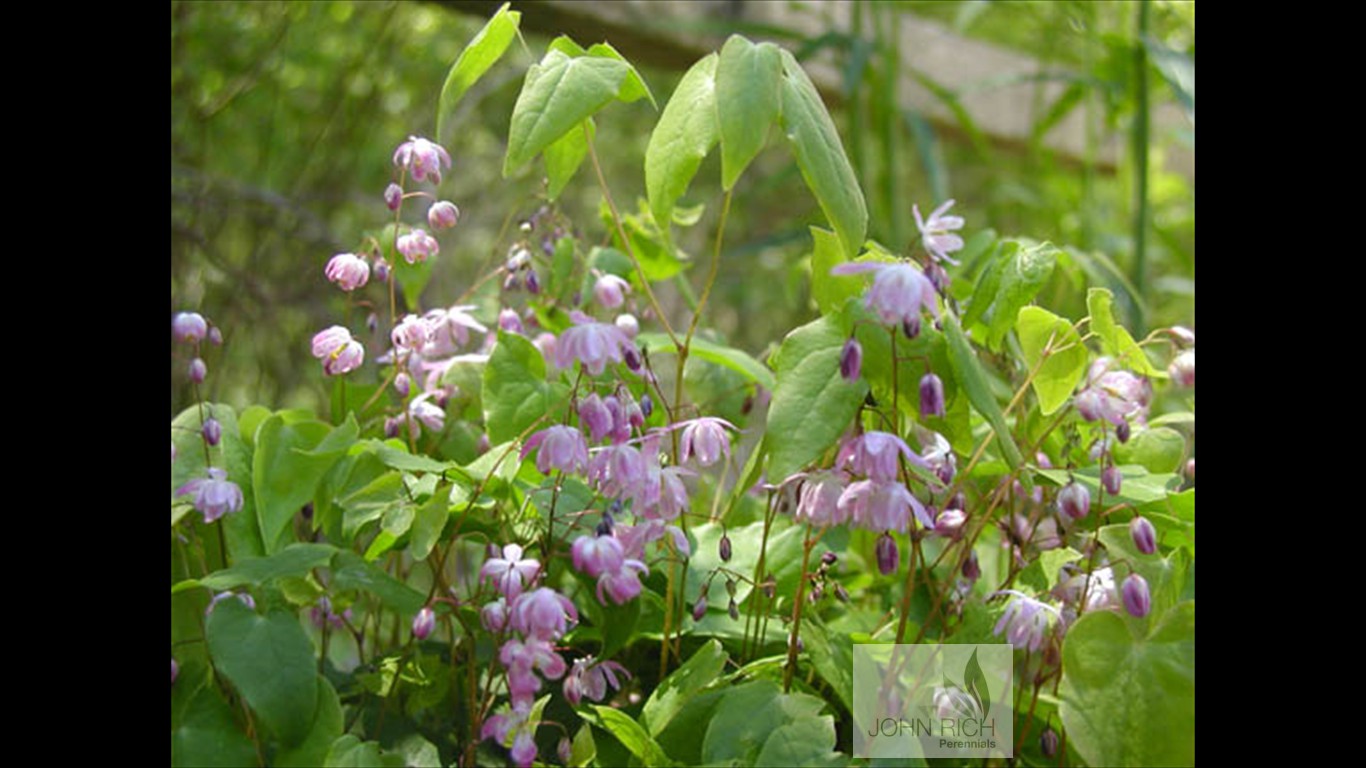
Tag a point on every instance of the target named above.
point(284, 118)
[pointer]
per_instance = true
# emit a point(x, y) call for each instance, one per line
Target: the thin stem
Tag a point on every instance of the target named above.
point(808, 545)
point(1139, 146)
point(906, 596)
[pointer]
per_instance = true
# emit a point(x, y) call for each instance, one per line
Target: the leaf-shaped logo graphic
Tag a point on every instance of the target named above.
point(976, 683)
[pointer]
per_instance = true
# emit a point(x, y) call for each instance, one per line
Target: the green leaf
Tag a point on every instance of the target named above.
point(327, 726)
point(832, 653)
point(1026, 269)
point(748, 101)
point(631, 735)
point(293, 560)
point(208, 735)
point(1130, 701)
point(559, 94)
point(428, 524)
point(417, 752)
point(632, 89)
point(749, 714)
point(808, 742)
point(350, 571)
point(820, 156)
point(1159, 450)
point(349, 751)
point(1139, 486)
point(685, 133)
point(564, 156)
point(969, 371)
point(812, 403)
point(290, 459)
point(516, 394)
point(1165, 575)
point(829, 291)
point(487, 46)
point(1059, 374)
point(583, 750)
point(737, 360)
point(697, 673)
point(399, 458)
point(270, 661)
point(1114, 339)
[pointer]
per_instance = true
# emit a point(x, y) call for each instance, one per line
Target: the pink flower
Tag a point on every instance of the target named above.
point(596, 416)
point(618, 470)
point(215, 495)
point(417, 246)
point(874, 454)
point(189, 327)
point(450, 330)
point(443, 215)
point(882, 506)
point(424, 158)
point(558, 447)
point(593, 344)
point(623, 585)
point(1182, 369)
point(427, 412)
point(898, 293)
point(423, 623)
point(1025, 621)
point(935, 232)
point(543, 613)
point(494, 615)
point(818, 503)
point(393, 196)
point(706, 438)
point(510, 573)
point(610, 290)
point(1115, 396)
point(411, 333)
point(348, 271)
point(339, 352)
point(595, 555)
point(591, 680)
point(535, 653)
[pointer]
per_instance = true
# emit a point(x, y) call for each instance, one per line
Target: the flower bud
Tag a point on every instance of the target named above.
point(628, 324)
point(1190, 470)
point(1137, 600)
point(1144, 535)
point(972, 570)
point(931, 397)
point(533, 284)
point(212, 431)
point(510, 322)
point(938, 278)
point(1122, 432)
point(175, 670)
point(816, 593)
point(381, 270)
point(851, 360)
point(770, 586)
point(610, 290)
point(888, 555)
point(423, 623)
point(733, 610)
point(1183, 335)
point(1048, 743)
point(565, 750)
point(348, 271)
point(949, 523)
point(1182, 369)
point(1075, 501)
point(1111, 479)
point(841, 594)
point(724, 549)
point(393, 196)
point(632, 358)
point(198, 370)
point(829, 558)
point(647, 406)
point(443, 215)
point(730, 587)
point(391, 426)
point(189, 327)
point(215, 336)
point(699, 608)
point(911, 327)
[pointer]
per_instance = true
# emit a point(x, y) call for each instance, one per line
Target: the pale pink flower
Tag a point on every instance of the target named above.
point(511, 573)
point(339, 352)
point(443, 215)
point(593, 344)
point(423, 158)
point(874, 454)
point(189, 327)
point(215, 495)
point(610, 290)
point(348, 271)
point(417, 246)
point(595, 555)
point(818, 502)
point(882, 506)
point(1026, 621)
point(543, 613)
point(706, 439)
point(623, 585)
point(899, 290)
point(589, 679)
point(935, 232)
point(558, 447)
point(450, 330)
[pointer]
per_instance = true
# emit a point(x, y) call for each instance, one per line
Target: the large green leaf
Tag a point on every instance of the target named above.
point(1026, 267)
point(289, 461)
point(832, 653)
point(484, 49)
point(1126, 700)
point(350, 571)
point(1159, 450)
point(208, 735)
point(699, 671)
point(686, 132)
point(327, 726)
point(348, 751)
point(634, 88)
point(1114, 338)
point(564, 156)
point(820, 156)
point(737, 360)
point(749, 715)
point(748, 101)
point(516, 393)
point(969, 371)
point(558, 95)
point(270, 661)
point(293, 560)
point(631, 735)
point(1059, 374)
point(428, 524)
point(812, 403)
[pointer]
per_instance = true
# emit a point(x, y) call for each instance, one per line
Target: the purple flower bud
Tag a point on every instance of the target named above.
point(841, 594)
point(647, 406)
point(1190, 469)
point(381, 270)
point(443, 215)
point(1183, 335)
point(510, 322)
point(1043, 461)
point(212, 431)
point(215, 336)
point(565, 750)
point(423, 623)
point(699, 608)
point(733, 610)
point(911, 327)
point(393, 196)
point(175, 670)
point(1075, 501)
point(972, 570)
point(189, 327)
point(938, 278)
point(888, 555)
point(1111, 479)
point(533, 284)
point(931, 396)
point(724, 549)
point(1144, 535)
point(402, 384)
point(198, 370)
point(391, 426)
point(1122, 432)
point(1137, 600)
point(851, 360)
point(829, 558)
point(1048, 743)
point(1182, 369)
point(949, 523)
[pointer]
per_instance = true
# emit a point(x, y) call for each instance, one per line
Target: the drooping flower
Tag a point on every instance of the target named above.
point(935, 232)
point(417, 246)
point(423, 410)
point(882, 506)
point(494, 615)
point(623, 585)
point(197, 371)
point(596, 555)
point(888, 554)
point(511, 573)
point(558, 447)
point(189, 327)
point(1075, 501)
point(953, 702)
point(1026, 621)
point(339, 352)
point(851, 360)
point(618, 470)
point(706, 439)
point(423, 623)
point(1182, 369)
point(931, 396)
point(596, 416)
point(899, 291)
point(938, 456)
point(423, 158)
point(1113, 395)
point(535, 653)
point(818, 503)
point(543, 613)
point(215, 495)
point(393, 196)
point(348, 271)
point(589, 679)
point(443, 215)
point(610, 290)
point(592, 343)
point(874, 454)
